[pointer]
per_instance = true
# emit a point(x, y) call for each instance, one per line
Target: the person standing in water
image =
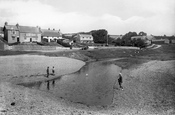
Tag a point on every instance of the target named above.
point(53, 70)
point(47, 71)
point(120, 80)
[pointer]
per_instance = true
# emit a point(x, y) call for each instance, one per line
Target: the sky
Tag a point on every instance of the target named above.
point(156, 17)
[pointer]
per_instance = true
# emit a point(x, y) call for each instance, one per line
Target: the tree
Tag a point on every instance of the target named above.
point(111, 40)
point(126, 39)
point(100, 36)
point(118, 42)
point(139, 43)
point(142, 33)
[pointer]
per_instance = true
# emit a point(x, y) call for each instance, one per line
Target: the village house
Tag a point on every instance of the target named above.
point(29, 34)
point(11, 33)
point(167, 41)
point(161, 40)
point(157, 41)
point(21, 34)
point(115, 37)
point(139, 37)
point(84, 38)
point(1, 32)
point(50, 35)
point(173, 41)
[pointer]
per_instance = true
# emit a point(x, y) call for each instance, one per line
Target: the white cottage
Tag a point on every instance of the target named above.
point(51, 35)
point(84, 38)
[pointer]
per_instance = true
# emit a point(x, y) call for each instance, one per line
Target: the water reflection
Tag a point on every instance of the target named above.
point(91, 85)
point(48, 85)
point(53, 83)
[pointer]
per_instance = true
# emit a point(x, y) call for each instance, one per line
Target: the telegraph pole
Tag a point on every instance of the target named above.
point(107, 39)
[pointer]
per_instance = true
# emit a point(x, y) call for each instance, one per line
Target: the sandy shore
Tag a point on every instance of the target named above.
point(28, 68)
point(148, 89)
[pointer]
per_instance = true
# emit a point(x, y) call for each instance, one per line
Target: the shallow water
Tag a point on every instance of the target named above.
point(91, 85)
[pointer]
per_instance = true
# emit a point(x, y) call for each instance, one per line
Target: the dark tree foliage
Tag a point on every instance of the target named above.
point(142, 33)
point(111, 40)
point(118, 42)
point(138, 43)
point(126, 39)
point(61, 42)
point(100, 36)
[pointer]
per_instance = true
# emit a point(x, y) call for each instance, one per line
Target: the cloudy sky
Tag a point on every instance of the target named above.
point(155, 17)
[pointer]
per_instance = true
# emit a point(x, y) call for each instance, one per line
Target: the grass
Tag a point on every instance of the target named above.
point(9, 52)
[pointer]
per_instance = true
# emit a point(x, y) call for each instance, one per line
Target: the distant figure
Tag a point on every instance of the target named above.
point(47, 71)
point(53, 70)
point(120, 80)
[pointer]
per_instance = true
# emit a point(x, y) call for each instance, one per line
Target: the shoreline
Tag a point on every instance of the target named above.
point(144, 80)
point(61, 104)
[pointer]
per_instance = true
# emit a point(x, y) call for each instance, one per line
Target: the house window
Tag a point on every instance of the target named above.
point(13, 37)
point(13, 32)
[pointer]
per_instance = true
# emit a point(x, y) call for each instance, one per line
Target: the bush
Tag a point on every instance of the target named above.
point(63, 43)
point(139, 43)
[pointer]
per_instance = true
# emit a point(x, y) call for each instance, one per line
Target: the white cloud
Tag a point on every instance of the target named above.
point(37, 13)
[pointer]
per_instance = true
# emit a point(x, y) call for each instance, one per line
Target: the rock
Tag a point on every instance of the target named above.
point(2, 110)
point(13, 104)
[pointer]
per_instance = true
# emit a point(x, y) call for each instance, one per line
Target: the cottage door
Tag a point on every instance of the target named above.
point(17, 39)
point(30, 39)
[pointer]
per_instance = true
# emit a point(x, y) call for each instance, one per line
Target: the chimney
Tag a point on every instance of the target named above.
point(48, 28)
point(17, 25)
point(6, 23)
point(53, 28)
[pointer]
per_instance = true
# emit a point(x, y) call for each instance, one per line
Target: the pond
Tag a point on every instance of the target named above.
point(27, 65)
point(91, 85)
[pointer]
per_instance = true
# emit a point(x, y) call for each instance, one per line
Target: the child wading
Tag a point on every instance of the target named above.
point(120, 80)
point(47, 71)
point(53, 70)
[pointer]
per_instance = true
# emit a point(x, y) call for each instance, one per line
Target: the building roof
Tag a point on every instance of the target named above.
point(1, 30)
point(28, 29)
point(85, 35)
point(139, 37)
point(115, 36)
point(150, 37)
point(51, 33)
point(23, 29)
point(11, 27)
